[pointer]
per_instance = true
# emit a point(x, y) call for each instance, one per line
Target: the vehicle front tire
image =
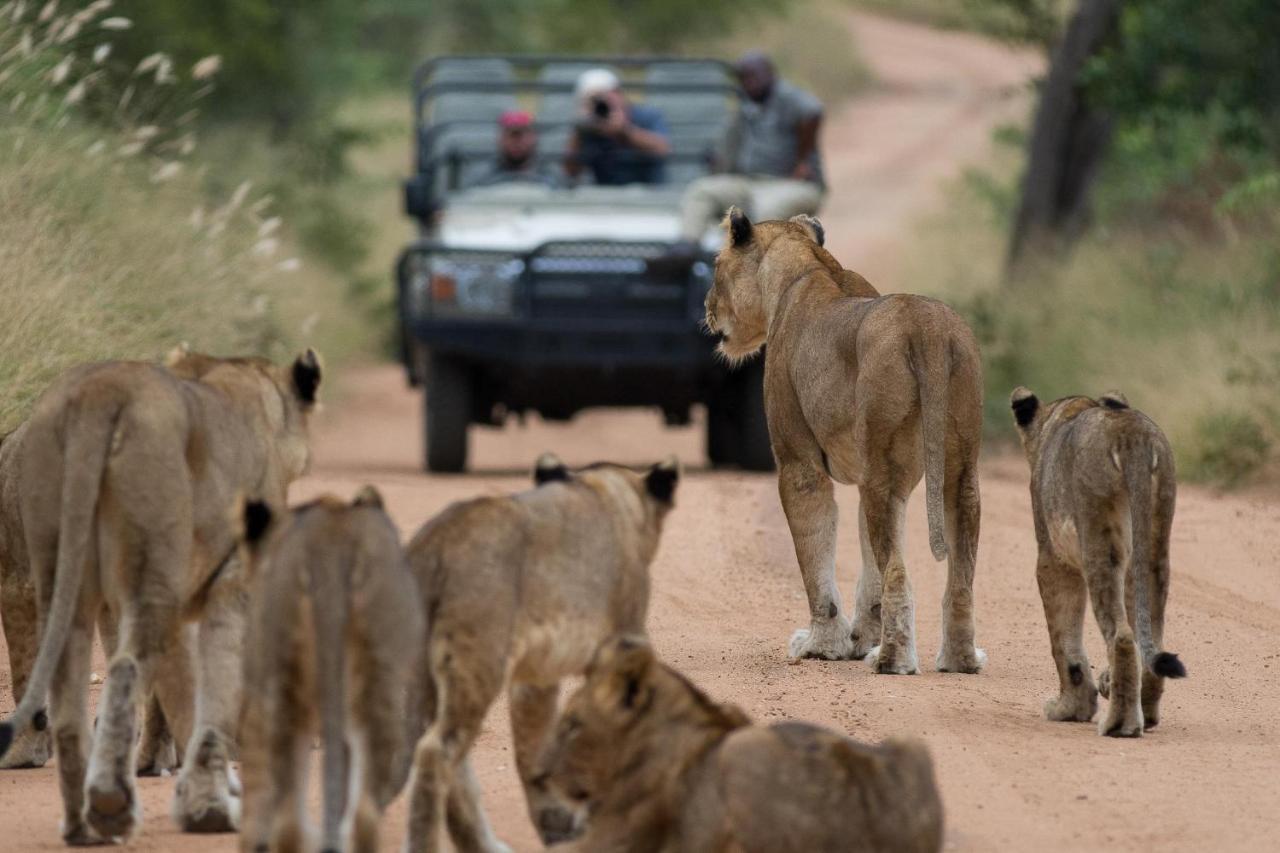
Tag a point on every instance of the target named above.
point(755, 452)
point(737, 432)
point(446, 416)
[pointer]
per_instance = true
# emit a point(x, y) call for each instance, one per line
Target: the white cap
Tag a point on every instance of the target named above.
point(595, 82)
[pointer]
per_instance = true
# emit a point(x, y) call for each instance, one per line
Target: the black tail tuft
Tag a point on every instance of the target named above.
point(1167, 665)
point(6, 737)
point(40, 721)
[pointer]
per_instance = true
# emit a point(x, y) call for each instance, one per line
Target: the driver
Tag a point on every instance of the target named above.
point(517, 158)
point(620, 142)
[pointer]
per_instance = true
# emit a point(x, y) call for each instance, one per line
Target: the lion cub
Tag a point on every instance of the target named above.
point(523, 588)
point(335, 635)
point(1102, 493)
point(650, 763)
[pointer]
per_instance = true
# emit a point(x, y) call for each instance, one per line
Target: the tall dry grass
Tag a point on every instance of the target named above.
point(109, 245)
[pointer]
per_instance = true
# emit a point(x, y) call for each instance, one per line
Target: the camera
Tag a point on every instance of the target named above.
point(600, 108)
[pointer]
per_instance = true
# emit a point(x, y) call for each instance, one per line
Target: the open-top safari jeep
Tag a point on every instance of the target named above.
point(519, 296)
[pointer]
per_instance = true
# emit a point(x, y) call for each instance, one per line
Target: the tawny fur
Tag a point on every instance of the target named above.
point(648, 762)
point(1102, 496)
point(334, 638)
point(864, 389)
point(32, 747)
point(522, 588)
point(125, 474)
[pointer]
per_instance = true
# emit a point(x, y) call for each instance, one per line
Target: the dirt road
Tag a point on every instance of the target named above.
point(727, 591)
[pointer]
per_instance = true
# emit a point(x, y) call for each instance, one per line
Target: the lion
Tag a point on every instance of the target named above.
point(860, 389)
point(1102, 495)
point(648, 762)
point(523, 588)
point(148, 462)
point(34, 745)
point(335, 630)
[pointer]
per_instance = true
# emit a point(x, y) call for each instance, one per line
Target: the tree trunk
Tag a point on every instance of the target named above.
point(1067, 142)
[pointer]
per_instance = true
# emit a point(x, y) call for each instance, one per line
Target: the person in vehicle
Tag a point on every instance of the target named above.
point(517, 158)
point(776, 169)
point(617, 141)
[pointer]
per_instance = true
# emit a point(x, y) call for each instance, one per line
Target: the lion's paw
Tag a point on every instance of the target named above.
point(29, 750)
point(827, 640)
point(1071, 708)
point(113, 810)
point(901, 663)
point(970, 661)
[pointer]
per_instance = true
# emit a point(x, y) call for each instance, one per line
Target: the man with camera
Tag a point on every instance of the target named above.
point(618, 141)
point(776, 171)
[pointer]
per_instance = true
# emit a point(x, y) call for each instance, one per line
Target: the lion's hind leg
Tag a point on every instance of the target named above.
point(113, 809)
point(1063, 593)
point(533, 710)
point(18, 617)
point(886, 515)
point(963, 512)
point(1104, 570)
point(441, 786)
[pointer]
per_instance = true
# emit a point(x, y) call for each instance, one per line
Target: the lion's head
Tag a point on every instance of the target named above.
point(628, 728)
point(737, 306)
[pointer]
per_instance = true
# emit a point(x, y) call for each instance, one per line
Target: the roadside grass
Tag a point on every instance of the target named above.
point(1188, 327)
point(100, 261)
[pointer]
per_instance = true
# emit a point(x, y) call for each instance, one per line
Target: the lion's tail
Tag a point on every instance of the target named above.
point(1140, 465)
point(932, 361)
point(330, 600)
point(89, 432)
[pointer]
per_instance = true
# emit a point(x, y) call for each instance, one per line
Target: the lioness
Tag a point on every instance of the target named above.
point(333, 640)
point(650, 763)
point(523, 587)
point(34, 745)
point(124, 478)
point(1102, 494)
point(866, 389)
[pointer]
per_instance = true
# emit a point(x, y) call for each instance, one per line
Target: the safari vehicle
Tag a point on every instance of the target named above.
point(520, 296)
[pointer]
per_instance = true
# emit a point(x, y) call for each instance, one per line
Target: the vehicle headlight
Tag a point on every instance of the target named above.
point(479, 285)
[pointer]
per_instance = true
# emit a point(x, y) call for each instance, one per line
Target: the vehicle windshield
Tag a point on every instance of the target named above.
point(469, 109)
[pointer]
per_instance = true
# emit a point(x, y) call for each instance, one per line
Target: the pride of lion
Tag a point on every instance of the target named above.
point(148, 502)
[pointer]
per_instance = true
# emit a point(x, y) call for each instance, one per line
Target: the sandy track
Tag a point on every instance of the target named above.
point(727, 591)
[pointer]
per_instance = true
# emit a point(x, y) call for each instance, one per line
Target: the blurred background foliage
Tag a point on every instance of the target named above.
point(1172, 288)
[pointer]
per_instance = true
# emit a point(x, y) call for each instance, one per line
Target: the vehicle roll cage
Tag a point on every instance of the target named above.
point(426, 91)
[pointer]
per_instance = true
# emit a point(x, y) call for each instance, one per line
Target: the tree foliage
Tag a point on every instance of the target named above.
point(291, 60)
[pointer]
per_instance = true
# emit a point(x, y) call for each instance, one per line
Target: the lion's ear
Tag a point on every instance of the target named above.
point(661, 480)
point(1114, 400)
point(811, 224)
point(251, 519)
point(1025, 405)
point(740, 227)
point(306, 376)
point(620, 670)
point(177, 354)
point(368, 496)
point(549, 469)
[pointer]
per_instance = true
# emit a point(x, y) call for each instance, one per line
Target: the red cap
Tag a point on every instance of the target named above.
point(515, 118)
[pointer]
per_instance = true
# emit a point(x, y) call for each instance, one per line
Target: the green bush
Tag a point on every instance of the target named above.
point(1228, 448)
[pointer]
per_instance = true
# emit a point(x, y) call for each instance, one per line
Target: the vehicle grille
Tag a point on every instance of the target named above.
point(605, 281)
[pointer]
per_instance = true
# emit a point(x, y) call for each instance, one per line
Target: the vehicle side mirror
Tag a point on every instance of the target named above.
point(417, 198)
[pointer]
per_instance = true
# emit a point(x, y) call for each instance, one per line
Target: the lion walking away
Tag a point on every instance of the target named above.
point(335, 635)
point(864, 389)
point(1102, 496)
